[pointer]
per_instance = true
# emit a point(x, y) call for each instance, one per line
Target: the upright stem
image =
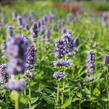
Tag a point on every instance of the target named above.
point(63, 86)
point(90, 93)
point(57, 96)
point(63, 93)
point(107, 89)
point(25, 91)
point(17, 101)
point(29, 97)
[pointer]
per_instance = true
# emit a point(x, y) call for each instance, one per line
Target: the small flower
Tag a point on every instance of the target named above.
point(29, 75)
point(58, 75)
point(89, 79)
point(105, 16)
point(80, 84)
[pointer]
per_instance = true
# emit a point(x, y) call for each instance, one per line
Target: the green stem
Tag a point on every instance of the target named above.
point(29, 97)
point(17, 101)
point(25, 91)
point(107, 89)
point(90, 94)
point(63, 93)
point(57, 96)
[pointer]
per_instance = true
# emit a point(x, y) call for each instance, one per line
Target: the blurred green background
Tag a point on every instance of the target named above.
point(101, 5)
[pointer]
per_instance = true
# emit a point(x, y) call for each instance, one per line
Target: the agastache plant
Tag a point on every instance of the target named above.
point(69, 17)
point(16, 55)
point(34, 31)
point(106, 64)
point(3, 20)
point(19, 21)
point(30, 64)
point(9, 31)
point(46, 35)
point(60, 51)
point(105, 17)
point(106, 59)
point(90, 64)
point(14, 15)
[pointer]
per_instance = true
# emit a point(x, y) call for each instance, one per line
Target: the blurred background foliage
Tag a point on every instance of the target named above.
point(100, 5)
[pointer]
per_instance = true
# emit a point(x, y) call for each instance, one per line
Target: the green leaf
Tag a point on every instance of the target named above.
point(67, 102)
point(96, 91)
point(3, 105)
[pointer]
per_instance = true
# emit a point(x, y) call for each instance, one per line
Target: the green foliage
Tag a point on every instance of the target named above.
point(43, 86)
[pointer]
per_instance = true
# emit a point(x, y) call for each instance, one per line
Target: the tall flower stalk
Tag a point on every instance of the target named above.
point(30, 61)
point(62, 47)
point(16, 50)
point(90, 68)
point(106, 63)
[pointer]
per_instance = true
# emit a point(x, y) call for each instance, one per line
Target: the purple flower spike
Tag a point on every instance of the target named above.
point(59, 48)
point(4, 46)
point(19, 21)
point(80, 84)
point(14, 15)
point(64, 30)
point(106, 59)
point(69, 41)
point(16, 54)
point(90, 62)
point(69, 17)
point(30, 61)
point(105, 16)
point(34, 29)
point(9, 31)
point(91, 56)
point(46, 34)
